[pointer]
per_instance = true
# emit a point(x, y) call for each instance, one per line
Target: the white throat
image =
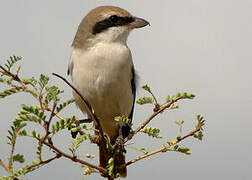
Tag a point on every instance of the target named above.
point(112, 35)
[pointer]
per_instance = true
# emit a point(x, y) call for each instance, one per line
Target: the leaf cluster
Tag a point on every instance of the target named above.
point(151, 131)
point(10, 62)
point(124, 120)
point(41, 114)
point(48, 107)
point(63, 124)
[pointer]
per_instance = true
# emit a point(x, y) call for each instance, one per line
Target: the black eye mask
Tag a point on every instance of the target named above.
point(112, 21)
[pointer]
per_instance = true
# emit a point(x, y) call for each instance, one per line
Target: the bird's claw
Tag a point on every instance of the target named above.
point(119, 144)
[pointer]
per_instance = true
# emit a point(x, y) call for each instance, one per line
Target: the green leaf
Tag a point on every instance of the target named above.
point(184, 150)
point(174, 106)
point(18, 158)
point(151, 131)
point(201, 122)
point(22, 133)
point(32, 81)
point(175, 147)
point(64, 104)
point(199, 135)
point(190, 96)
point(178, 95)
point(88, 171)
point(52, 93)
point(35, 134)
point(77, 141)
point(168, 99)
point(10, 91)
point(21, 125)
point(179, 122)
point(25, 169)
point(143, 150)
point(40, 115)
point(183, 95)
point(110, 167)
point(2, 80)
point(76, 129)
point(145, 100)
point(14, 131)
point(30, 118)
point(13, 59)
point(32, 92)
point(7, 178)
point(147, 88)
point(43, 81)
point(124, 120)
point(39, 150)
point(63, 124)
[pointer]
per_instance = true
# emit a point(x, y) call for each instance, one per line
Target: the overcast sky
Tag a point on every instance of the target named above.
point(200, 46)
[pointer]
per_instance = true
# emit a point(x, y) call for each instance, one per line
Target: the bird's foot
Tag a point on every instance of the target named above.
point(77, 123)
point(119, 144)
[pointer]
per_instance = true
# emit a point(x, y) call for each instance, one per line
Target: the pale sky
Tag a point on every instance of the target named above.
point(199, 46)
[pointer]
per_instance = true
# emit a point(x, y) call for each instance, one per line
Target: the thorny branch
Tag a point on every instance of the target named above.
point(73, 158)
point(165, 147)
point(17, 79)
point(54, 113)
point(46, 140)
point(94, 117)
point(47, 123)
point(44, 162)
point(5, 167)
point(46, 126)
point(150, 118)
point(103, 140)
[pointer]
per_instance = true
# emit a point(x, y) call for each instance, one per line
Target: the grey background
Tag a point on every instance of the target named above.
point(200, 46)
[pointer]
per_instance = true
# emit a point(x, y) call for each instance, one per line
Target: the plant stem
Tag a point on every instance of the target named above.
point(150, 118)
point(165, 147)
point(5, 167)
point(73, 158)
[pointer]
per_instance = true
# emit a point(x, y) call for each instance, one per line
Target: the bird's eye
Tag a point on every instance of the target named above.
point(114, 18)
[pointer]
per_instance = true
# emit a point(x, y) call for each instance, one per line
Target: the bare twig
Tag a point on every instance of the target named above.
point(5, 167)
point(164, 148)
point(94, 117)
point(153, 97)
point(150, 118)
point(73, 158)
point(14, 76)
point(54, 113)
point(47, 123)
point(51, 115)
point(44, 162)
point(40, 100)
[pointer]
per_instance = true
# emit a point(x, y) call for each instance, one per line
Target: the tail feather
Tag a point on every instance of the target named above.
point(120, 160)
point(104, 155)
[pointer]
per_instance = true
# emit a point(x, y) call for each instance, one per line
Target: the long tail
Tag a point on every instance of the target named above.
point(120, 160)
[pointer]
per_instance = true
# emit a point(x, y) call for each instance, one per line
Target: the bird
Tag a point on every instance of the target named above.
point(102, 70)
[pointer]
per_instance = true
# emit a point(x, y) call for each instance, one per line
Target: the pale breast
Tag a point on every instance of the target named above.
point(103, 76)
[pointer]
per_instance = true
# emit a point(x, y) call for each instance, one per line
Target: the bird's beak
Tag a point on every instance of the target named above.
point(138, 23)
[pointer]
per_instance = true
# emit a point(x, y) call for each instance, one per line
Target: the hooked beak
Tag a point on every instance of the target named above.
point(138, 23)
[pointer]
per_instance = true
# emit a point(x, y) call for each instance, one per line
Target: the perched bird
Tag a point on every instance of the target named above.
point(102, 70)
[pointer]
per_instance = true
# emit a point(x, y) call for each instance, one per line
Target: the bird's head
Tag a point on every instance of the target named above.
point(106, 23)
